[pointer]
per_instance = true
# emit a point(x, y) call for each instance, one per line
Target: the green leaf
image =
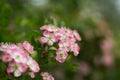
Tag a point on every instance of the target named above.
point(52, 48)
point(35, 55)
point(69, 58)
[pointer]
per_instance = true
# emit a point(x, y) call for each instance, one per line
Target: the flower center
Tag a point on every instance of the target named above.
point(60, 55)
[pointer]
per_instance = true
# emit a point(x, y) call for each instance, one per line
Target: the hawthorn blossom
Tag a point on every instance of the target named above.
point(4, 47)
point(32, 75)
point(64, 46)
point(49, 28)
point(33, 65)
point(16, 68)
point(15, 53)
point(18, 56)
point(64, 38)
point(75, 48)
point(61, 56)
point(76, 34)
point(46, 76)
point(48, 38)
point(58, 33)
point(6, 57)
point(26, 45)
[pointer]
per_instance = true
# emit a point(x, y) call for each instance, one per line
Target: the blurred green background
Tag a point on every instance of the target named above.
point(97, 21)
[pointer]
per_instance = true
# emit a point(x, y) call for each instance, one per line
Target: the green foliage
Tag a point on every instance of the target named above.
point(5, 13)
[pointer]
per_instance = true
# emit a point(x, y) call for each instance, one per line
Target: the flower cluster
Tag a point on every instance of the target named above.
point(47, 76)
point(19, 59)
point(19, 56)
point(66, 39)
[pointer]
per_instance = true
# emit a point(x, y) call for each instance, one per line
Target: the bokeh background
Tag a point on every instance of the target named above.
point(97, 21)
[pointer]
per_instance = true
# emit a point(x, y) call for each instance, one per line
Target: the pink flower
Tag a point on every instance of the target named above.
point(32, 75)
point(26, 45)
point(15, 53)
point(72, 40)
point(58, 33)
point(6, 57)
point(64, 38)
point(19, 56)
point(64, 46)
point(33, 65)
point(48, 38)
point(61, 56)
point(16, 68)
point(47, 76)
point(49, 28)
point(75, 48)
point(77, 36)
point(4, 47)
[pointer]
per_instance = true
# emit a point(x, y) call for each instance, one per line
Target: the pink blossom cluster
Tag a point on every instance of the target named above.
point(47, 76)
point(65, 37)
point(19, 59)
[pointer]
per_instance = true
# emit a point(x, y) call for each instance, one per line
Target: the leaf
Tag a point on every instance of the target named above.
point(52, 48)
point(69, 58)
point(3, 67)
point(72, 67)
point(35, 55)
